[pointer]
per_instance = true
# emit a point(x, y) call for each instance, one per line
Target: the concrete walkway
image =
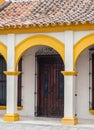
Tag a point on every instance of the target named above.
point(26, 123)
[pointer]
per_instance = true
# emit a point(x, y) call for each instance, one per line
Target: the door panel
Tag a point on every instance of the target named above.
point(50, 92)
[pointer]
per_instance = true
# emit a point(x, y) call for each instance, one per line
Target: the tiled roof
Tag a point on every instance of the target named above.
point(45, 12)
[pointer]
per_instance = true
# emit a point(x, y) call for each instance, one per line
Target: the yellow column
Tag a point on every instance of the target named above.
point(11, 114)
point(69, 103)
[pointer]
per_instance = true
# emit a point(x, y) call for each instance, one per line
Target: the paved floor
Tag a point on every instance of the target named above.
point(25, 126)
point(26, 123)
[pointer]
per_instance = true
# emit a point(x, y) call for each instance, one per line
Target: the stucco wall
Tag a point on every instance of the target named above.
point(28, 81)
point(83, 86)
point(3, 39)
point(58, 35)
point(80, 34)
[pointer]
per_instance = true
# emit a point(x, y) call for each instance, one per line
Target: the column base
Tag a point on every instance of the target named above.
point(69, 121)
point(11, 117)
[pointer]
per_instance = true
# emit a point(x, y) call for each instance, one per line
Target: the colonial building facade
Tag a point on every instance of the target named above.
point(47, 60)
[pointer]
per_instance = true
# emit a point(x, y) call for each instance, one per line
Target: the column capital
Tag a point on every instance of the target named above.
point(69, 73)
point(10, 73)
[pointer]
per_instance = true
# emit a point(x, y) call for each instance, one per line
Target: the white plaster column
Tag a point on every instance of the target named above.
point(11, 94)
point(69, 111)
point(68, 50)
point(10, 52)
point(11, 112)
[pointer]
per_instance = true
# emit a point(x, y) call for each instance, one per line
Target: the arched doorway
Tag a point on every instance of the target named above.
point(81, 45)
point(3, 67)
point(3, 50)
point(38, 40)
point(83, 63)
point(27, 49)
point(2, 81)
point(50, 83)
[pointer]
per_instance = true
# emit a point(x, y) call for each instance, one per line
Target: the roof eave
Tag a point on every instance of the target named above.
point(50, 28)
point(4, 5)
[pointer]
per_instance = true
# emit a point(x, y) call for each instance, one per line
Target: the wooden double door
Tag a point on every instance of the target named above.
point(50, 90)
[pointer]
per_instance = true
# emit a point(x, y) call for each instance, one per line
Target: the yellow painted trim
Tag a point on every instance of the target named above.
point(3, 50)
point(4, 107)
point(91, 111)
point(19, 107)
point(69, 121)
point(69, 73)
point(2, 2)
point(11, 117)
point(81, 45)
point(12, 72)
point(50, 28)
point(36, 41)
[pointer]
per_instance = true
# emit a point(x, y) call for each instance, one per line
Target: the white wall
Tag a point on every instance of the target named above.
point(80, 34)
point(28, 82)
point(58, 35)
point(83, 86)
point(3, 39)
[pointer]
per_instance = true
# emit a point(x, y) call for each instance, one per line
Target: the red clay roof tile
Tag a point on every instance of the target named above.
point(45, 12)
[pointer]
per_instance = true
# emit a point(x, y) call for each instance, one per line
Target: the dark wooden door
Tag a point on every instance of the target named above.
point(50, 92)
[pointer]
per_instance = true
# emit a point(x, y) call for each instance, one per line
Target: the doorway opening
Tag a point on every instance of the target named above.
point(50, 86)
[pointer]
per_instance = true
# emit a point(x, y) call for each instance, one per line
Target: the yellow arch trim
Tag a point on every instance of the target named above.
point(3, 50)
point(35, 41)
point(81, 45)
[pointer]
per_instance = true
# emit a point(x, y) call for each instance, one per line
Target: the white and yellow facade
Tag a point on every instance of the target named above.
point(72, 44)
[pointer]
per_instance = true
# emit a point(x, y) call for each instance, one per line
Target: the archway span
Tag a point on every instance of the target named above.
point(81, 45)
point(37, 41)
point(3, 50)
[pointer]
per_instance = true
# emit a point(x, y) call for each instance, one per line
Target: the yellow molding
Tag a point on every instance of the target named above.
point(3, 50)
point(38, 40)
point(69, 73)
point(2, 2)
point(12, 72)
point(4, 107)
point(69, 121)
point(81, 45)
point(19, 107)
point(11, 117)
point(50, 28)
point(91, 111)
